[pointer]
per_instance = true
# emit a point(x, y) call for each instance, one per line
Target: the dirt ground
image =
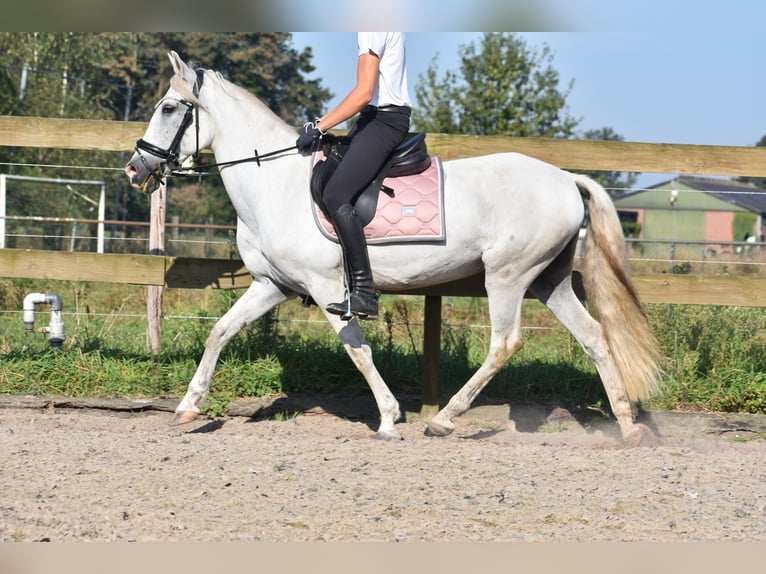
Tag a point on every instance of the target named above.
point(508, 473)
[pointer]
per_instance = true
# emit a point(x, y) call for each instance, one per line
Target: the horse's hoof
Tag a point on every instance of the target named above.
point(434, 429)
point(183, 417)
point(640, 435)
point(387, 436)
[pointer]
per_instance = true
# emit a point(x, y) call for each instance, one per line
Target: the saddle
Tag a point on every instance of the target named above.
point(409, 158)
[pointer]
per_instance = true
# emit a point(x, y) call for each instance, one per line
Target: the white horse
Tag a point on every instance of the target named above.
point(511, 216)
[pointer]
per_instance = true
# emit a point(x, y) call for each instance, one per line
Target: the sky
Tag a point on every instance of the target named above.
point(679, 84)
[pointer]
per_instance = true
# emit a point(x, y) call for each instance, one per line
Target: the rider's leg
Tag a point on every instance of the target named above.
point(363, 299)
point(375, 135)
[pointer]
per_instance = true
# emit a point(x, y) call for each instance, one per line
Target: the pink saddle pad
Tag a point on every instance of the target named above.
point(415, 213)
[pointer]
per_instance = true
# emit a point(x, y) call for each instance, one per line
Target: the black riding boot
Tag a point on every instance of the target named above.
point(364, 299)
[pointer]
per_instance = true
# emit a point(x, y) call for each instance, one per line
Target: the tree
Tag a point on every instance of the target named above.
point(263, 63)
point(615, 182)
point(8, 93)
point(55, 73)
point(435, 111)
point(743, 224)
point(504, 87)
point(121, 76)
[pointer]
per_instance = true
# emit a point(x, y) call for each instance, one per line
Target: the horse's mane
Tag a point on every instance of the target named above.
point(239, 93)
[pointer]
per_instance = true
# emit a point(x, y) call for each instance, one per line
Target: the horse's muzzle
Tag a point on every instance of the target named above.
point(142, 177)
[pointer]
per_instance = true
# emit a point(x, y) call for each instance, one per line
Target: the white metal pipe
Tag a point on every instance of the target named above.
point(55, 329)
point(29, 309)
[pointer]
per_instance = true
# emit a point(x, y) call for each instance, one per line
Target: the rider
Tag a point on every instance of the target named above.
point(382, 100)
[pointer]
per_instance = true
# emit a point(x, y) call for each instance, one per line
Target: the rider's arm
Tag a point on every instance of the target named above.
point(358, 97)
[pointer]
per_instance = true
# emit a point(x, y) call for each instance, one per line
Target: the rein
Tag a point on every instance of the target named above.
point(256, 158)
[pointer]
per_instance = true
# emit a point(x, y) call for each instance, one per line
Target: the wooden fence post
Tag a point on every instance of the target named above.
point(154, 292)
point(432, 325)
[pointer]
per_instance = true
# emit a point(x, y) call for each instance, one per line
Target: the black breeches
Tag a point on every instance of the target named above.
point(373, 138)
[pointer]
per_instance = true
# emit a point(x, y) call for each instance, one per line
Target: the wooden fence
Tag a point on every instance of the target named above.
point(201, 273)
point(161, 271)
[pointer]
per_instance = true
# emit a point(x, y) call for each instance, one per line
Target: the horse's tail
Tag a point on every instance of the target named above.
point(612, 295)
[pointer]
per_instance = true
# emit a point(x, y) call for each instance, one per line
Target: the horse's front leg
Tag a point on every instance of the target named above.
point(261, 296)
point(357, 348)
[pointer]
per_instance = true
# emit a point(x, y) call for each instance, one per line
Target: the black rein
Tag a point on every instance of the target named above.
point(256, 158)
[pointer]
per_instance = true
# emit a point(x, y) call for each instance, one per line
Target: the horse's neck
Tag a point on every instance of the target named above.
point(242, 136)
point(245, 126)
point(245, 123)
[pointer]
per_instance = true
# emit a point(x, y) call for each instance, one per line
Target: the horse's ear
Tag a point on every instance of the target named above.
point(183, 79)
point(179, 67)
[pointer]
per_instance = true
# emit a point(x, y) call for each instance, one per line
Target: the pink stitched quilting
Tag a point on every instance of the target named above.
point(415, 213)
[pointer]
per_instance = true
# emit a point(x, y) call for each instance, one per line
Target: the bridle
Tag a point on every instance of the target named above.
point(169, 166)
point(169, 155)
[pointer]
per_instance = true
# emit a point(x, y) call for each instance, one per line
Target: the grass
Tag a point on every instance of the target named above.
point(750, 437)
point(717, 355)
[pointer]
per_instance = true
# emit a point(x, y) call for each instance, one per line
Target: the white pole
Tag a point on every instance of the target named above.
point(2, 211)
point(155, 292)
point(101, 217)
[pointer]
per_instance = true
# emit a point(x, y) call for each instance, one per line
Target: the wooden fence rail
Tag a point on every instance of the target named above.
point(568, 154)
point(203, 273)
point(102, 135)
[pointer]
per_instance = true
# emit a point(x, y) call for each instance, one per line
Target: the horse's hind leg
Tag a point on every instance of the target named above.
point(505, 341)
point(260, 297)
point(560, 298)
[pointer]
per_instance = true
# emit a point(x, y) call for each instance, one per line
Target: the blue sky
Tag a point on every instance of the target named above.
point(685, 81)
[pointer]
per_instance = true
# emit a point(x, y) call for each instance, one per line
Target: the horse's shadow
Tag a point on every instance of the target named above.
point(355, 408)
point(208, 427)
point(522, 417)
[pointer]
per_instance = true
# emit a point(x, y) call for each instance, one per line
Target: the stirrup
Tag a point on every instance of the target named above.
point(344, 308)
point(348, 315)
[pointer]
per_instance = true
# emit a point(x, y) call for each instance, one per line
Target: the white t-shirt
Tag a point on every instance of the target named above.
point(391, 88)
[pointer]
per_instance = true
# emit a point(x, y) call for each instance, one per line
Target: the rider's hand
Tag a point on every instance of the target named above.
point(307, 135)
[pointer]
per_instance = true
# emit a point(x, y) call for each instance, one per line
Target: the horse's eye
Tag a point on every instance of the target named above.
point(168, 108)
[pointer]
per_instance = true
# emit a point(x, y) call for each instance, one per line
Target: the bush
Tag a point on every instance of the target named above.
point(717, 357)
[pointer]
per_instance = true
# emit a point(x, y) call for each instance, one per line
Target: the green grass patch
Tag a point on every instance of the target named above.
point(717, 355)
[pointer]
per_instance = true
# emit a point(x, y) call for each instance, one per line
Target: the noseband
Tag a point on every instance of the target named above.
point(169, 155)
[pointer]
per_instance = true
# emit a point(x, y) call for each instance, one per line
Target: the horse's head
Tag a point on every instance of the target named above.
point(168, 141)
